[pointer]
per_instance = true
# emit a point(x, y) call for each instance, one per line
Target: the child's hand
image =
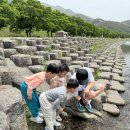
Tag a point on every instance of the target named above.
point(29, 97)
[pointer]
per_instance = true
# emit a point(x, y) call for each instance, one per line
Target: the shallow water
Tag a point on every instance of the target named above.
point(122, 122)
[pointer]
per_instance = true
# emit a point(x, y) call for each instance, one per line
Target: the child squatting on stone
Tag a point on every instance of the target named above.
point(54, 99)
point(60, 80)
point(28, 90)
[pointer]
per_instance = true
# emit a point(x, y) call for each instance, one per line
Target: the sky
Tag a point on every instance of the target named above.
point(113, 10)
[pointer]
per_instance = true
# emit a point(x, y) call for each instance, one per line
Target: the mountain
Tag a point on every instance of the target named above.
point(127, 22)
point(111, 25)
point(114, 26)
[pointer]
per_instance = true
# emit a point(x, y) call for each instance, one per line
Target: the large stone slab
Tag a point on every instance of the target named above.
point(111, 108)
point(113, 97)
point(120, 72)
point(115, 85)
point(106, 68)
point(118, 78)
point(9, 43)
point(11, 103)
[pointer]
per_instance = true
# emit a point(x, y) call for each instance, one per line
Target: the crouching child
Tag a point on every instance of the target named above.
point(53, 100)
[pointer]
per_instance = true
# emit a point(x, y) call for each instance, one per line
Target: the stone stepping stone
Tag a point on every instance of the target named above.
point(99, 62)
point(82, 58)
point(45, 54)
point(113, 97)
point(110, 61)
point(80, 53)
point(107, 64)
point(53, 56)
point(115, 85)
point(72, 50)
point(55, 46)
point(42, 47)
point(86, 51)
point(111, 108)
point(25, 49)
point(93, 65)
point(74, 68)
point(118, 78)
point(9, 44)
point(65, 48)
point(102, 59)
point(37, 60)
point(118, 67)
point(106, 68)
point(105, 75)
point(94, 56)
point(74, 56)
point(66, 60)
point(36, 68)
point(58, 62)
point(65, 53)
point(117, 71)
point(9, 52)
point(64, 44)
point(21, 60)
point(31, 42)
point(82, 63)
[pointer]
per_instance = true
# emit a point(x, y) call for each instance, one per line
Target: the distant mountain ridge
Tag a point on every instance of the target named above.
point(123, 26)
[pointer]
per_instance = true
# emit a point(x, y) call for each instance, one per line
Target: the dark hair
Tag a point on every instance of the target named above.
point(64, 67)
point(72, 83)
point(82, 74)
point(53, 68)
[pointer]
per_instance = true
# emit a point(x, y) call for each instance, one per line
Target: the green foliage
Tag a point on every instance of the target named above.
point(97, 72)
point(32, 16)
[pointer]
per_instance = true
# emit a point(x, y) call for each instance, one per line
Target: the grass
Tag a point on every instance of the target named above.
point(6, 33)
point(32, 125)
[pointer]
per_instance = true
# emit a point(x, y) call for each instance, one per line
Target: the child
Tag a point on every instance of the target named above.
point(53, 100)
point(59, 80)
point(28, 90)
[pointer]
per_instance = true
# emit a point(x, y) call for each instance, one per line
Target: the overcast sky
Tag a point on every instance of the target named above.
point(114, 10)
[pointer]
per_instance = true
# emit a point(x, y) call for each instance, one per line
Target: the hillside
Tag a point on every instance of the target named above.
point(114, 26)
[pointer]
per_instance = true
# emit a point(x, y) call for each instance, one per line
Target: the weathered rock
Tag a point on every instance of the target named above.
point(117, 71)
point(114, 98)
point(105, 75)
point(72, 50)
point(106, 68)
point(5, 75)
point(80, 53)
point(65, 53)
point(36, 68)
point(74, 68)
point(108, 64)
point(118, 78)
point(1, 52)
point(99, 62)
point(1, 44)
point(9, 52)
point(55, 46)
point(2, 63)
point(111, 108)
point(53, 56)
point(25, 49)
point(74, 56)
point(9, 43)
point(42, 47)
point(4, 121)
point(57, 62)
point(115, 85)
point(22, 60)
point(37, 60)
point(12, 105)
point(45, 54)
point(31, 42)
point(66, 60)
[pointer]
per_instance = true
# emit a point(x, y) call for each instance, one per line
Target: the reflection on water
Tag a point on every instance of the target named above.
point(126, 52)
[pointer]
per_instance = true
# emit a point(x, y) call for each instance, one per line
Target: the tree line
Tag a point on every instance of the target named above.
point(30, 15)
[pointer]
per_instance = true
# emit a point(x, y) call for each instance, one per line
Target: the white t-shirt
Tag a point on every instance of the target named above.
point(82, 87)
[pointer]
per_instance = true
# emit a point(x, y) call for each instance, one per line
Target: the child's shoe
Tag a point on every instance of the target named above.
point(58, 118)
point(89, 107)
point(40, 114)
point(79, 106)
point(36, 119)
point(57, 123)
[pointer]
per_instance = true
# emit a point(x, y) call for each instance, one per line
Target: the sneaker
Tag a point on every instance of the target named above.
point(79, 106)
point(36, 119)
point(58, 118)
point(40, 114)
point(57, 123)
point(89, 107)
point(46, 128)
